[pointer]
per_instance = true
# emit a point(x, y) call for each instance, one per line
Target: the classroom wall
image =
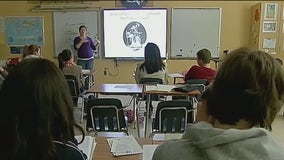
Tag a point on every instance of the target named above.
point(235, 29)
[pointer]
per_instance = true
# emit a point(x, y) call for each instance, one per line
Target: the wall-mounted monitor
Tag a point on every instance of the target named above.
point(127, 31)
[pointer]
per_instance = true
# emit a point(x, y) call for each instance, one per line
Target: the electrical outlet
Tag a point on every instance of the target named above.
point(105, 71)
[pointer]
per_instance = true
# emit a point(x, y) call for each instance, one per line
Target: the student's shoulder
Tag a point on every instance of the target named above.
point(68, 151)
point(79, 67)
point(194, 67)
point(172, 149)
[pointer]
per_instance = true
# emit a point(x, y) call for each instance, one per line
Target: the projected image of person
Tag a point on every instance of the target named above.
point(134, 35)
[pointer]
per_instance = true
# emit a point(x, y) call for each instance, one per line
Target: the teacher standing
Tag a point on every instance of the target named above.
point(85, 46)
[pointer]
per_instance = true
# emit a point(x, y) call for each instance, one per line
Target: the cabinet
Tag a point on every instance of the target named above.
point(267, 29)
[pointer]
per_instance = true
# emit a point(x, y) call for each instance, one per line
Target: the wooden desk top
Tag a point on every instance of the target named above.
point(175, 75)
point(116, 88)
point(102, 150)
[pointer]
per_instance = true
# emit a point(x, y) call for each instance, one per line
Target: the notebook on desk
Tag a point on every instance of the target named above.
point(159, 87)
point(124, 146)
point(186, 88)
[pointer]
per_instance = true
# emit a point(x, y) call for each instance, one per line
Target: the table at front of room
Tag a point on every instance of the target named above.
point(164, 93)
point(120, 89)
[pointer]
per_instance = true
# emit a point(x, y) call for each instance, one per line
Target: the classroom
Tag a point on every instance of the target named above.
point(235, 32)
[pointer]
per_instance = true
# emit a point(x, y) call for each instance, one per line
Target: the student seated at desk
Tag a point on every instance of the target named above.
point(238, 110)
point(31, 51)
point(69, 67)
point(153, 66)
point(202, 70)
point(37, 119)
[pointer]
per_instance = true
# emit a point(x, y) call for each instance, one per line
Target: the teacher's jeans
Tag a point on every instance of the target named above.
point(86, 64)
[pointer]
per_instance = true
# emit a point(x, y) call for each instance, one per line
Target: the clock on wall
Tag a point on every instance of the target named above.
point(134, 3)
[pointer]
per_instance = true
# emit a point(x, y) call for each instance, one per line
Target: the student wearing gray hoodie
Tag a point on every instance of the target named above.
point(236, 114)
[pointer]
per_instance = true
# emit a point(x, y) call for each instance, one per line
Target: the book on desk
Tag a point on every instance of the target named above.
point(87, 146)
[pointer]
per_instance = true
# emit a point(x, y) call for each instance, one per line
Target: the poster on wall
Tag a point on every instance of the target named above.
point(270, 11)
point(22, 31)
point(269, 26)
point(269, 43)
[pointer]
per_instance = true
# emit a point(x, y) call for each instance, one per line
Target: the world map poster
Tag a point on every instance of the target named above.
point(24, 31)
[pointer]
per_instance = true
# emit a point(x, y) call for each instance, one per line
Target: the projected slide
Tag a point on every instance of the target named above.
point(126, 32)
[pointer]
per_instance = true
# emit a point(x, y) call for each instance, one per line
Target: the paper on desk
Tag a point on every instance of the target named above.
point(160, 87)
point(177, 75)
point(124, 146)
point(167, 136)
point(148, 151)
point(88, 146)
point(86, 71)
point(124, 86)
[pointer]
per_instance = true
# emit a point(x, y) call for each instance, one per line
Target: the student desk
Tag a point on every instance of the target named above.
point(165, 93)
point(102, 150)
point(120, 89)
point(90, 75)
point(116, 89)
point(175, 76)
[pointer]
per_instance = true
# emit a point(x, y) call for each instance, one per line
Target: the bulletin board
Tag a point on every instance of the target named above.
point(24, 30)
point(193, 29)
point(66, 28)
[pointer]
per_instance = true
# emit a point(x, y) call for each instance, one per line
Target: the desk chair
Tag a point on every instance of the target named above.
point(153, 81)
point(172, 116)
point(105, 116)
point(76, 94)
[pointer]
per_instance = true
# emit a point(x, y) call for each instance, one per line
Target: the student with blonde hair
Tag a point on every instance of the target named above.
point(236, 113)
point(31, 51)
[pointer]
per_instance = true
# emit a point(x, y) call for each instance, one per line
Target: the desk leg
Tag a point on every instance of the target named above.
point(147, 113)
point(194, 103)
point(90, 81)
point(135, 109)
point(96, 95)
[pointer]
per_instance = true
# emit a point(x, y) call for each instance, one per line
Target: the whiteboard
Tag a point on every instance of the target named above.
point(66, 28)
point(194, 29)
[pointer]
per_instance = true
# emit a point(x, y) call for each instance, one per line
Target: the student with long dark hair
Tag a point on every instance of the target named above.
point(153, 66)
point(37, 114)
